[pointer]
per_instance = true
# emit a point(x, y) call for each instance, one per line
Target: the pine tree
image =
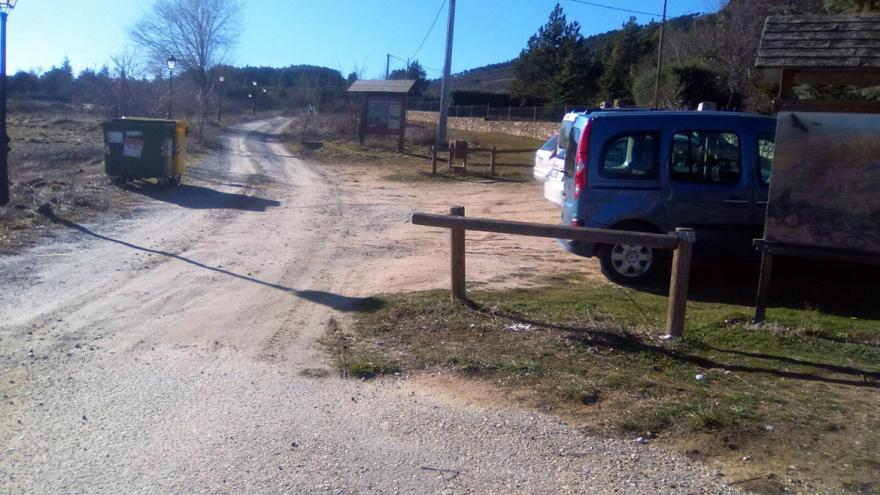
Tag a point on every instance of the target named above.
point(616, 81)
point(556, 67)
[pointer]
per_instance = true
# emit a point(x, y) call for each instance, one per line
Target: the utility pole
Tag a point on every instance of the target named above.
point(387, 65)
point(659, 59)
point(4, 138)
point(446, 86)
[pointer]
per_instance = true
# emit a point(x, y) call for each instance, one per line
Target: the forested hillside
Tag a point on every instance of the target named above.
point(705, 57)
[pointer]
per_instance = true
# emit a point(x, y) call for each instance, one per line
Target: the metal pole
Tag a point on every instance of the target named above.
point(220, 104)
point(387, 65)
point(659, 59)
point(4, 138)
point(445, 88)
point(170, 91)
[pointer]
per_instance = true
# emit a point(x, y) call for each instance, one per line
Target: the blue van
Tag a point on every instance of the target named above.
point(654, 171)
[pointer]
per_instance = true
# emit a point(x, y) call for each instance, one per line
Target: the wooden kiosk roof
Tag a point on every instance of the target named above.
point(821, 41)
point(822, 49)
point(382, 86)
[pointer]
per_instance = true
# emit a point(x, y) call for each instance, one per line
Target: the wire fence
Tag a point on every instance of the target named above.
point(488, 112)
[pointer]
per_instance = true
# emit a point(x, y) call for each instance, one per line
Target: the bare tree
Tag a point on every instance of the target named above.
point(126, 64)
point(199, 33)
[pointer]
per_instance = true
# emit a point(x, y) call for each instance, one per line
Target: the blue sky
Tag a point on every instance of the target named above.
point(339, 34)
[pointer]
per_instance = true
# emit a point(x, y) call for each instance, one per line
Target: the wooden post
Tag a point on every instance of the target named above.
point(362, 122)
point(433, 160)
point(678, 284)
point(763, 286)
point(508, 114)
point(487, 111)
point(459, 292)
point(465, 157)
point(535, 114)
point(492, 162)
point(450, 163)
point(402, 134)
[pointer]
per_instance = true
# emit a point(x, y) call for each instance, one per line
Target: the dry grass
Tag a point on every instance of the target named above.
point(58, 162)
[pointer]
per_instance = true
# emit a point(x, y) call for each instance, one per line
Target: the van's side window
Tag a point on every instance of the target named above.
point(574, 138)
point(766, 151)
point(709, 157)
point(631, 156)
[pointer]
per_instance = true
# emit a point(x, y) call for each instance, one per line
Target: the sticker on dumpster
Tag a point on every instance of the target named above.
point(114, 137)
point(134, 144)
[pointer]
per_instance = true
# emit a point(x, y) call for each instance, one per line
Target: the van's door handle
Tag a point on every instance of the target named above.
point(735, 201)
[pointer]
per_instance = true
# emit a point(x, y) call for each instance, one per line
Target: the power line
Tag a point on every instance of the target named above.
point(611, 7)
point(434, 22)
point(395, 57)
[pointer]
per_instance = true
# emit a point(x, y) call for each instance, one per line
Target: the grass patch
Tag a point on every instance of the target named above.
point(592, 353)
point(370, 367)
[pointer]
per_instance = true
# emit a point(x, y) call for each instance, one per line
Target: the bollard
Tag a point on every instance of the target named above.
point(459, 292)
point(678, 283)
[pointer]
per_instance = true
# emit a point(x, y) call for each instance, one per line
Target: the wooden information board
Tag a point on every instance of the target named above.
point(825, 189)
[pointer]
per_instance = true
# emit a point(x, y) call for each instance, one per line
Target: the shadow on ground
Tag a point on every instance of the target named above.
point(202, 198)
point(635, 344)
point(329, 299)
point(843, 289)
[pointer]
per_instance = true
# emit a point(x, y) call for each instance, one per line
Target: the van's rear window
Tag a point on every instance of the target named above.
point(631, 156)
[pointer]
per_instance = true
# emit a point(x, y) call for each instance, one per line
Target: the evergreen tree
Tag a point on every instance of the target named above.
point(58, 81)
point(616, 81)
point(413, 71)
point(556, 66)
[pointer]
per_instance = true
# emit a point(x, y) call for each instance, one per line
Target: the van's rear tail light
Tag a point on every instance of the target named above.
point(577, 223)
point(583, 156)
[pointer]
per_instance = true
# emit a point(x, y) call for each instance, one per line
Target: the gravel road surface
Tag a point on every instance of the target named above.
point(164, 353)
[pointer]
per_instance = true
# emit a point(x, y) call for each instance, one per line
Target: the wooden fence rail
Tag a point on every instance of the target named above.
point(681, 242)
point(493, 153)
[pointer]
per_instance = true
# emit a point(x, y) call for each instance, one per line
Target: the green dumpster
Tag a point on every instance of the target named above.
point(136, 148)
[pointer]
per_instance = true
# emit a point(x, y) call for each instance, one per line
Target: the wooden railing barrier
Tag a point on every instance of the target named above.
point(680, 242)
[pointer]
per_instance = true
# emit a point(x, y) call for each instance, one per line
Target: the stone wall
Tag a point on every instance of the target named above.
point(537, 130)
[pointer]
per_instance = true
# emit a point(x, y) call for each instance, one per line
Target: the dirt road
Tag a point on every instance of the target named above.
point(164, 352)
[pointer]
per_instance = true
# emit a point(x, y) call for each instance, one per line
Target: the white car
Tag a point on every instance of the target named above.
point(553, 184)
point(543, 157)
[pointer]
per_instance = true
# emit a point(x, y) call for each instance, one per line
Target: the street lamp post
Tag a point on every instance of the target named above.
point(172, 63)
point(6, 6)
point(220, 99)
point(253, 107)
point(254, 96)
point(265, 95)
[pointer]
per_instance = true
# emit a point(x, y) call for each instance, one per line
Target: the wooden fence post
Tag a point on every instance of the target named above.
point(492, 162)
point(763, 286)
point(678, 283)
point(459, 292)
point(451, 162)
point(433, 160)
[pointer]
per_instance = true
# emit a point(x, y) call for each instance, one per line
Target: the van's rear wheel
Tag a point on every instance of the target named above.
point(631, 264)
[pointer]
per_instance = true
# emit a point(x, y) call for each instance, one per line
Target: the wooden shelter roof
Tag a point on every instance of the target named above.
point(382, 86)
point(821, 42)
